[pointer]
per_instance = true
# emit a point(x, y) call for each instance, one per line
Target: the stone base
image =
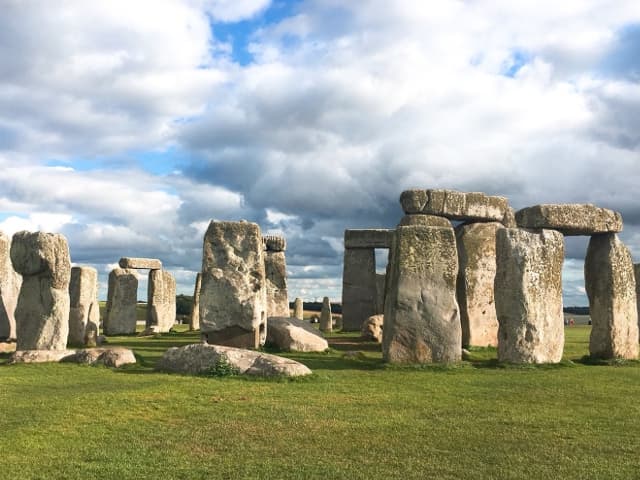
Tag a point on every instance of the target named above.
point(234, 337)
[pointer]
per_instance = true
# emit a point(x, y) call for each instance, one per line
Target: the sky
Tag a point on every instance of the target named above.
point(128, 126)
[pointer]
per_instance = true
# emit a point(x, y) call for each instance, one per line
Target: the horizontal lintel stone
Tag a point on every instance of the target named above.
point(140, 263)
point(368, 238)
point(454, 205)
point(570, 218)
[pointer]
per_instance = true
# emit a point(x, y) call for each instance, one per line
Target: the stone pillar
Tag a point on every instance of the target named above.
point(421, 318)
point(611, 288)
point(42, 312)
point(636, 274)
point(161, 301)
point(10, 282)
point(84, 314)
point(194, 320)
point(122, 299)
point(528, 295)
point(298, 309)
point(476, 244)
point(275, 265)
point(233, 304)
point(380, 292)
point(326, 319)
point(359, 293)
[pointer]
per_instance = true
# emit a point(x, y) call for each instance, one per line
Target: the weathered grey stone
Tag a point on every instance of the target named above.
point(368, 238)
point(122, 298)
point(84, 313)
point(291, 334)
point(455, 205)
point(202, 358)
point(509, 220)
point(528, 295)
point(611, 288)
point(372, 328)
point(298, 309)
point(359, 291)
point(570, 218)
point(140, 263)
point(161, 304)
point(326, 319)
point(275, 266)
point(10, 282)
point(194, 319)
point(42, 312)
point(109, 357)
point(422, 319)
point(636, 274)
point(424, 220)
point(381, 282)
point(7, 347)
point(274, 243)
point(233, 307)
point(476, 244)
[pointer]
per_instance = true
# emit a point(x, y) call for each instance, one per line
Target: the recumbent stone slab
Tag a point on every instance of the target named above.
point(570, 218)
point(84, 314)
point(611, 288)
point(528, 295)
point(291, 334)
point(140, 263)
point(455, 205)
point(122, 298)
point(161, 304)
point(42, 312)
point(10, 282)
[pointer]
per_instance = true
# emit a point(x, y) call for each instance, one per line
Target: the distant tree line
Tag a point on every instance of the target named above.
point(576, 310)
point(317, 306)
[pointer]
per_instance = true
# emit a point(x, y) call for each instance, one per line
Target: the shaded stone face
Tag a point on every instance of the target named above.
point(528, 295)
point(368, 238)
point(326, 319)
point(570, 218)
point(161, 305)
point(359, 292)
point(298, 309)
point(10, 282)
point(42, 312)
point(233, 309)
point(140, 263)
point(194, 320)
point(476, 245)
point(421, 319)
point(275, 265)
point(424, 220)
point(84, 313)
point(636, 271)
point(611, 288)
point(455, 205)
point(291, 334)
point(381, 283)
point(274, 243)
point(122, 298)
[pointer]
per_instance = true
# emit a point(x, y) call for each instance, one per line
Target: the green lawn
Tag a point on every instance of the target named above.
point(353, 419)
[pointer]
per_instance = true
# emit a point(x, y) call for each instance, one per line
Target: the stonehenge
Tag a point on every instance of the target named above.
point(298, 309)
point(194, 319)
point(161, 303)
point(84, 314)
point(326, 319)
point(275, 266)
point(122, 298)
point(10, 282)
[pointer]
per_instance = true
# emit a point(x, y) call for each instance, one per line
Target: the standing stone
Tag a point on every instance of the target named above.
point(42, 312)
point(233, 304)
point(298, 309)
point(326, 319)
point(194, 320)
point(359, 292)
point(122, 299)
point(84, 314)
point(161, 304)
point(528, 295)
point(275, 266)
point(611, 288)
point(477, 270)
point(636, 272)
point(381, 281)
point(421, 319)
point(10, 282)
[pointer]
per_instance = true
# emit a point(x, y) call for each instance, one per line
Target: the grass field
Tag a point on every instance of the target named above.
point(354, 419)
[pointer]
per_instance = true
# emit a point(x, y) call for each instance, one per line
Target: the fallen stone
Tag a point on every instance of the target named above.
point(455, 205)
point(611, 288)
point(291, 334)
point(84, 313)
point(122, 298)
point(326, 319)
point(275, 267)
point(194, 319)
point(298, 309)
point(161, 304)
point(10, 282)
point(359, 290)
point(368, 238)
point(528, 295)
point(424, 220)
point(110, 357)
point(372, 328)
point(7, 347)
point(198, 359)
point(140, 263)
point(570, 218)
point(421, 319)
point(42, 312)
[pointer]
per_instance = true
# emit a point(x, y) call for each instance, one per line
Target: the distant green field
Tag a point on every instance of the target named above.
point(355, 418)
point(141, 310)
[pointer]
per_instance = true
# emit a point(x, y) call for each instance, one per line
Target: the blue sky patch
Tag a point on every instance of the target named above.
point(517, 60)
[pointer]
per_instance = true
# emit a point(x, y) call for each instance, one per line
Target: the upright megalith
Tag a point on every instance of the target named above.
point(298, 309)
point(611, 288)
point(476, 244)
point(161, 305)
point(233, 308)
point(84, 314)
point(122, 298)
point(636, 274)
point(10, 282)
point(381, 283)
point(326, 319)
point(42, 312)
point(528, 295)
point(359, 292)
point(275, 266)
point(421, 318)
point(194, 319)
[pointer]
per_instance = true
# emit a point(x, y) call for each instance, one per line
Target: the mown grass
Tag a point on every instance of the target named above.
point(354, 418)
